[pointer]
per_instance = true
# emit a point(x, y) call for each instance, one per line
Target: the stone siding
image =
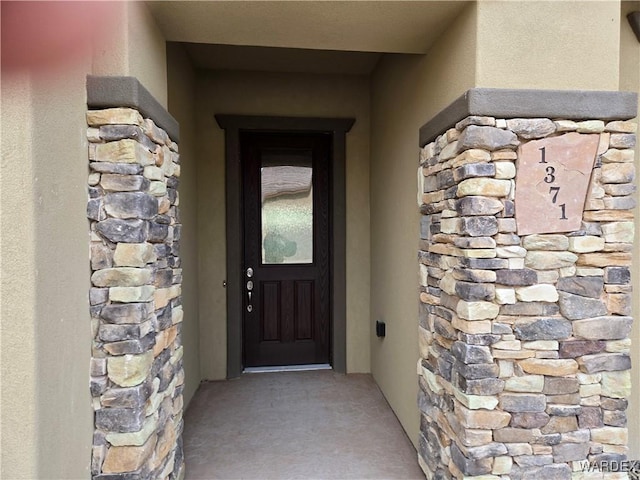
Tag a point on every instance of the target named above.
point(524, 339)
point(137, 376)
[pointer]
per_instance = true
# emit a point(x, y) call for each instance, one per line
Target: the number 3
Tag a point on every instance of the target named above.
point(550, 178)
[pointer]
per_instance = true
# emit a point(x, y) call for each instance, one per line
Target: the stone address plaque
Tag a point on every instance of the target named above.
point(552, 182)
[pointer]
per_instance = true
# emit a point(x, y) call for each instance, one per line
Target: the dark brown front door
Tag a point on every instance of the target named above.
point(286, 248)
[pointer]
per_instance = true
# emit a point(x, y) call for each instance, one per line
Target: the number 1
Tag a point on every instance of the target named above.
point(564, 213)
point(543, 159)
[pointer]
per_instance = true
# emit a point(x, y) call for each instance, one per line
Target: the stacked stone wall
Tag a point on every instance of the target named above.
point(524, 339)
point(136, 367)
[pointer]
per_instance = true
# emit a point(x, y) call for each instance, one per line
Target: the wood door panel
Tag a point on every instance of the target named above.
point(270, 303)
point(292, 273)
point(288, 322)
point(304, 309)
point(287, 315)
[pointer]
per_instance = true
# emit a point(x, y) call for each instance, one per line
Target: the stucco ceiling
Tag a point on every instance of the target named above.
point(233, 57)
point(362, 26)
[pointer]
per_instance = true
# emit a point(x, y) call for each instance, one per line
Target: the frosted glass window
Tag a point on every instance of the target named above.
point(287, 209)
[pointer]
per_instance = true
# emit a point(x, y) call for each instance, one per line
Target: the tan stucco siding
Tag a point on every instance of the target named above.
point(406, 92)
point(47, 416)
point(146, 51)
point(257, 93)
point(182, 106)
point(46, 327)
point(549, 45)
point(17, 283)
point(134, 47)
point(63, 346)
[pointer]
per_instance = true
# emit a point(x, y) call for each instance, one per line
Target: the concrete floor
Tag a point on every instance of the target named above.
point(315, 424)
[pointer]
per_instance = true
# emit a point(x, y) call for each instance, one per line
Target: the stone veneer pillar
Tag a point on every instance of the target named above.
point(136, 367)
point(524, 339)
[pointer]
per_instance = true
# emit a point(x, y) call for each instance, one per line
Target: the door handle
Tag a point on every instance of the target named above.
point(249, 289)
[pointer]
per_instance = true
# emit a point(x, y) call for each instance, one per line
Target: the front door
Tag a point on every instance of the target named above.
point(287, 227)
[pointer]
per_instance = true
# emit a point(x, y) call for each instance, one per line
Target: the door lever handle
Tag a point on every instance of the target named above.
point(249, 288)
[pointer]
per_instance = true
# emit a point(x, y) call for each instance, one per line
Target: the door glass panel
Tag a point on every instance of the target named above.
point(287, 208)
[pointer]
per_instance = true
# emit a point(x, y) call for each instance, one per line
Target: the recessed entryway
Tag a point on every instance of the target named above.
point(315, 424)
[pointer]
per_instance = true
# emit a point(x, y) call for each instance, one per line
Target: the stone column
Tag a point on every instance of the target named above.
point(136, 366)
point(524, 324)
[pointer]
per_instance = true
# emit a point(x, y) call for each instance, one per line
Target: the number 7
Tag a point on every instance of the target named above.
point(555, 191)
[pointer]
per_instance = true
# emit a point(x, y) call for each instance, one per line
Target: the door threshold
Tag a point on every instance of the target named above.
point(288, 368)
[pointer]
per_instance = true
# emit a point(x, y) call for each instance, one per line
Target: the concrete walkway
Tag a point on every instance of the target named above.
point(304, 425)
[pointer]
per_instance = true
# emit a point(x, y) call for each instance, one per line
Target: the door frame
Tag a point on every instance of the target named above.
point(338, 128)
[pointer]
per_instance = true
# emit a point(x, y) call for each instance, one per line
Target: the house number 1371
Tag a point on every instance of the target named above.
point(550, 178)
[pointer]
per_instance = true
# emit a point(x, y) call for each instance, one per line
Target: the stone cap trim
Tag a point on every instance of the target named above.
point(521, 103)
point(113, 91)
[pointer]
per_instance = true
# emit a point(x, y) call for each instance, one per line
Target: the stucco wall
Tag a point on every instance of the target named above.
point(47, 419)
point(146, 51)
point(62, 276)
point(181, 93)
point(46, 333)
point(563, 45)
point(17, 283)
point(134, 46)
point(258, 93)
point(406, 92)
point(630, 81)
